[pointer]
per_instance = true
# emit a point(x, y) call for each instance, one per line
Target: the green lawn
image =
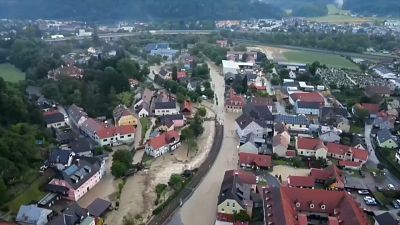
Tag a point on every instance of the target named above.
point(32, 193)
point(10, 73)
point(146, 123)
point(330, 60)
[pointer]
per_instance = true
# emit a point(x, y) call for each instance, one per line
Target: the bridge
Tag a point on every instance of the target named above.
point(130, 34)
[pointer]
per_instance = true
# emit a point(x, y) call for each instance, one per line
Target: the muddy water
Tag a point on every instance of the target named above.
point(201, 208)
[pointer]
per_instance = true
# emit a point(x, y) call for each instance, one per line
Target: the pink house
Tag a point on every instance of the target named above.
point(76, 180)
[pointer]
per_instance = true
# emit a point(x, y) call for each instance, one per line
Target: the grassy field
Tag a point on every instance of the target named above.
point(9, 73)
point(327, 59)
point(339, 16)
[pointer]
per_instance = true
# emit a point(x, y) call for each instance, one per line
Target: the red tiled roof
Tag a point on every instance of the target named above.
point(188, 106)
point(372, 108)
point(347, 210)
point(51, 113)
point(181, 74)
point(307, 97)
point(244, 176)
point(301, 181)
point(259, 88)
point(309, 143)
point(108, 132)
point(234, 99)
point(259, 160)
point(337, 149)
point(163, 139)
point(291, 153)
point(347, 163)
point(360, 154)
point(329, 173)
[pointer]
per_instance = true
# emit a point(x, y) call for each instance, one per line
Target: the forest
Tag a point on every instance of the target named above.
point(91, 10)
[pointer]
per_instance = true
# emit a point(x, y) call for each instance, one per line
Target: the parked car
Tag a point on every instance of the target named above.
point(363, 192)
point(370, 200)
point(391, 187)
point(395, 204)
point(380, 189)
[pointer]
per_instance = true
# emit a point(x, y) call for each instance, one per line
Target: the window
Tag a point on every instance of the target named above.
point(129, 135)
point(105, 139)
point(227, 203)
point(323, 207)
point(298, 204)
point(122, 136)
point(222, 209)
point(301, 152)
point(233, 205)
point(311, 206)
point(112, 139)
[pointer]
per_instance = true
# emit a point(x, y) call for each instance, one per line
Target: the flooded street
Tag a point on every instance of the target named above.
point(201, 208)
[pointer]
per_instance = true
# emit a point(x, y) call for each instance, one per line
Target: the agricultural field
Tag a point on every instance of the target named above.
point(330, 60)
point(10, 73)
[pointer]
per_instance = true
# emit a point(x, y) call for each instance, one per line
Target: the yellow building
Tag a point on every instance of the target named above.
point(124, 116)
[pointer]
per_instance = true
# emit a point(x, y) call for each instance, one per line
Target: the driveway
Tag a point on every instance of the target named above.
point(367, 134)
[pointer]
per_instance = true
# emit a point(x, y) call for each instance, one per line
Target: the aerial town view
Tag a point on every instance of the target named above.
point(189, 112)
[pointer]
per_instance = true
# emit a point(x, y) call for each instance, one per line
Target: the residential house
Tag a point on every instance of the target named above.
point(178, 120)
point(81, 147)
point(234, 102)
point(301, 182)
point(263, 101)
point(60, 158)
point(90, 127)
point(255, 119)
point(385, 139)
point(222, 43)
point(72, 215)
point(384, 121)
point(373, 109)
point(377, 90)
point(329, 134)
point(296, 123)
point(165, 108)
point(331, 177)
point(343, 124)
point(68, 70)
point(329, 115)
point(235, 194)
point(142, 106)
point(54, 119)
point(165, 125)
point(307, 108)
point(181, 75)
point(255, 161)
point(251, 143)
point(193, 85)
point(77, 179)
point(187, 108)
point(124, 116)
point(168, 54)
point(76, 115)
point(160, 145)
point(99, 207)
point(311, 147)
point(359, 142)
point(347, 153)
point(31, 214)
point(165, 74)
point(314, 97)
point(114, 136)
point(290, 205)
point(280, 143)
point(386, 218)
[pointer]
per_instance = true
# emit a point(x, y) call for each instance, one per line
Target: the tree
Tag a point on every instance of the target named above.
point(174, 73)
point(118, 169)
point(202, 112)
point(241, 216)
point(187, 133)
point(361, 113)
point(129, 68)
point(124, 156)
point(175, 181)
point(3, 191)
point(126, 98)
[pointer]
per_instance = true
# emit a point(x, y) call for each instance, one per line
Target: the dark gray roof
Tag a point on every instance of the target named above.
point(60, 156)
point(165, 105)
point(80, 171)
point(250, 76)
point(258, 113)
point(230, 187)
point(308, 105)
point(98, 207)
point(384, 135)
point(80, 145)
point(173, 117)
point(72, 215)
point(75, 113)
point(31, 214)
point(55, 117)
point(330, 113)
point(243, 121)
point(386, 219)
point(292, 119)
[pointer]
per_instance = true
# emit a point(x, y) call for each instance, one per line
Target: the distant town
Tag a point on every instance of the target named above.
point(266, 121)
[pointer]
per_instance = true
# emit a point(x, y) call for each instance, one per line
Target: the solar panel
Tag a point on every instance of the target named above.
point(70, 170)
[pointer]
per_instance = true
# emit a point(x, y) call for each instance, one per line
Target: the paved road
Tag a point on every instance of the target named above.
point(201, 208)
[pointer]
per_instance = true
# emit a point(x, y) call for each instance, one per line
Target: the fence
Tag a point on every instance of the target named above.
point(183, 195)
